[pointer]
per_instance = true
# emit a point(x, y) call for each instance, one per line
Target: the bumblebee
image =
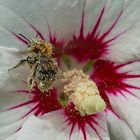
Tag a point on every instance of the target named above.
point(43, 67)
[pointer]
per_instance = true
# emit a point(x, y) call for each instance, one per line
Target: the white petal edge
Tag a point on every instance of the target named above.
point(126, 46)
point(13, 80)
point(11, 121)
point(128, 109)
point(7, 60)
point(118, 129)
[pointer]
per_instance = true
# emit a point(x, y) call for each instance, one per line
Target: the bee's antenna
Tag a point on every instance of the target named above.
point(36, 35)
point(25, 38)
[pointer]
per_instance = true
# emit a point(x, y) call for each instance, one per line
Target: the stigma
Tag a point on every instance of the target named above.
point(82, 92)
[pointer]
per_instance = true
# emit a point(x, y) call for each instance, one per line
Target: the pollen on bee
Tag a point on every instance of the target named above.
point(49, 48)
point(41, 46)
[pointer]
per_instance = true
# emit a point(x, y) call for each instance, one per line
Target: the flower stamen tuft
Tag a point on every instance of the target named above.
point(83, 92)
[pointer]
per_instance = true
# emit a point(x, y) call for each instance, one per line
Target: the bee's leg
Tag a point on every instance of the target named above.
point(31, 82)
point(21, 62)
point(31, 61)
point(31, 79)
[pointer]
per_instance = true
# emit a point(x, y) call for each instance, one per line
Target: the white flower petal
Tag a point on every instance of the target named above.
point(13, 137)
point(13, 115)
point(118, 129)
point(54, 127)
point(11, 22)
point(35, 129)
point(11, 81)
point(11, 121)
point(126, 46)
point(127, 107)
point(62, 16)
point(7, 60)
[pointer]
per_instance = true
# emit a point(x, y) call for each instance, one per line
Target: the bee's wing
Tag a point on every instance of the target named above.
point(25, 52)
point(13, 51)
point(19, 53)
point(22, 52)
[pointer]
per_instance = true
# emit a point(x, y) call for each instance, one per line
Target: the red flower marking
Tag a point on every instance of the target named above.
point(21, 39)
point(41, 102)
point(92, 46)
point(38, 33)
point(58, 45)
point(74, 118)
point(108, 78)
point(110, 81)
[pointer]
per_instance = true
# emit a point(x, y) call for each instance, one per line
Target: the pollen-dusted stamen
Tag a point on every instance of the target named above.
point(83, 92)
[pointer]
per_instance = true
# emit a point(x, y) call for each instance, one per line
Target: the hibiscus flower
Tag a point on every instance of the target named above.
point(96, 44)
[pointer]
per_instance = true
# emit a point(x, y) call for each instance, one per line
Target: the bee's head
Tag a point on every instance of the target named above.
point(42, 46)
point(39, 46)
point(35, 45)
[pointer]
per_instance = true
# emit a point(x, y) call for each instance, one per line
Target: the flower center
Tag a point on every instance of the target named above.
point(82, 92)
